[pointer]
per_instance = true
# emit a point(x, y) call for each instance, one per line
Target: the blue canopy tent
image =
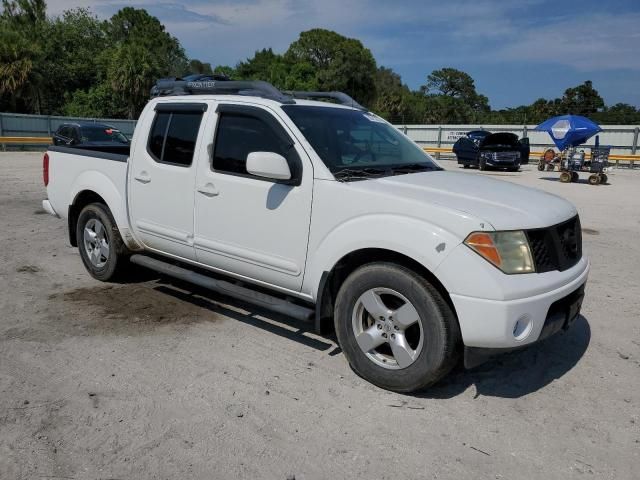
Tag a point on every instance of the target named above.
point(569, 130)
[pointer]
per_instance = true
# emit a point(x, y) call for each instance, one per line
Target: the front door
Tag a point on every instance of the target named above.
point(162, 178)
point(246, 225)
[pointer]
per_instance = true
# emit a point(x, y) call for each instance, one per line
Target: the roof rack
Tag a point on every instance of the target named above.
point(340, 97)
point(221, 85)
point(255, 88)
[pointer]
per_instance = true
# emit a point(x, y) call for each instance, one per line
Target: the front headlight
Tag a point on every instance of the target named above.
point(509, 251)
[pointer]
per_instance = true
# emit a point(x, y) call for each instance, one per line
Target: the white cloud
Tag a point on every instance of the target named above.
point(586, 42)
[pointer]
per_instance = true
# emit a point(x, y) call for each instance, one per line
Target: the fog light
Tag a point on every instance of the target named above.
point(522, 327)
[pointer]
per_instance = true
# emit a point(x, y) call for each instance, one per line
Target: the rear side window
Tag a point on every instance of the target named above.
point(237, 136)
point(173, 137)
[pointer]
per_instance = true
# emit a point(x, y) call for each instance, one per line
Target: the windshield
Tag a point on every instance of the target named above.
point(102, 134)
point(358, 142)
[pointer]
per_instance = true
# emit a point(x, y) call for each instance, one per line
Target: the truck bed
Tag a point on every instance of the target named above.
point(75, 171)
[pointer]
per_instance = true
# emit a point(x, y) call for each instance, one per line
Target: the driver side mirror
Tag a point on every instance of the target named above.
point(268, 165)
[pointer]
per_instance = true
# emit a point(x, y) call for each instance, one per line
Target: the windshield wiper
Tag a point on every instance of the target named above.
point(346, 174)
point(412, 168)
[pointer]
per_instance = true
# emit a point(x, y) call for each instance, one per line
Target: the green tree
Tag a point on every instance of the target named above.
point(73, 54)
point(98, 101)
point(196, 66)
point(131, 75)
point(135, 28)
point(582, 100)
point(393, 98)
point(455, 83)
point(22, 73)
point(340, 63)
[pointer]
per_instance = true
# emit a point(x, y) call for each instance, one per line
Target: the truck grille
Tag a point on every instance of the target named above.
point(506, 156)
point(558, 247)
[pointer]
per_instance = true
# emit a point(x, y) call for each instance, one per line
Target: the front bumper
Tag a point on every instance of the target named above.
point(515, 323)
point(561, 316)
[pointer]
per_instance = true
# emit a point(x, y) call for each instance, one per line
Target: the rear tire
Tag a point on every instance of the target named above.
point(466, 165)
point(604, 179)
point(594, 179)
point(102, 250)
point(482, 165)
point(541, 167)
point(413, 333)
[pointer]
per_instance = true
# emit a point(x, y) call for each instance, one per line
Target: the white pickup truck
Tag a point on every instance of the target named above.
point(326, 213)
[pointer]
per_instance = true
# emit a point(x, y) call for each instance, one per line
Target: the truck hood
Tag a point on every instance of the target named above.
point(504, 205)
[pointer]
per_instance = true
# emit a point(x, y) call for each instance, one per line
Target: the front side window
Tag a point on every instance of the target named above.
point(173, 137)
point(237, 136)
point(358, 143)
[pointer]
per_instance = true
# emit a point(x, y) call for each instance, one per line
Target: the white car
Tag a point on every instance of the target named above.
point(338, 215)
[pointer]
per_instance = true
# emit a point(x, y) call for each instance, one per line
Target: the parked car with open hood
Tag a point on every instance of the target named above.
point(482, 149)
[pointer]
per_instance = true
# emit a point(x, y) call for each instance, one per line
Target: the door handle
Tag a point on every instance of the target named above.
point(208, 190)
point(142, 177)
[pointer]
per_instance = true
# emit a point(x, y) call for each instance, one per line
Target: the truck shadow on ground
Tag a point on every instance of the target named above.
point(522, 372)
point(271, 322)
point(510, 375)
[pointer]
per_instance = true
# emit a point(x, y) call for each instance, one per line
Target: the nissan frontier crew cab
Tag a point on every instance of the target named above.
point(326, 213)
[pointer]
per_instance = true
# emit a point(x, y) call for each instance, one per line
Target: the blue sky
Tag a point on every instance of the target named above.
point(517, 51)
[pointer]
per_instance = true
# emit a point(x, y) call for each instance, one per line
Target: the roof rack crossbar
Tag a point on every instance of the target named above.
point(257, 88)
point(341, 97)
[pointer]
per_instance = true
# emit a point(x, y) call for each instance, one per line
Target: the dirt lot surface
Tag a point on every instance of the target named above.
point(155, 379)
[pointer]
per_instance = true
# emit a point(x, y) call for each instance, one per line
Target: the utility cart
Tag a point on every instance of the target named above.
point(568, 132)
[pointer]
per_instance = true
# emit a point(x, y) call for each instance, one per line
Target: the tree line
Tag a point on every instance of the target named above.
point(78, 65)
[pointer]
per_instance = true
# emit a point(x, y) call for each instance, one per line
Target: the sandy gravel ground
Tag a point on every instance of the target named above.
point(155, 379)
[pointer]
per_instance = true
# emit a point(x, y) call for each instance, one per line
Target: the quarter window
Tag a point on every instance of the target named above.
point(173, 137)
point(237, 136)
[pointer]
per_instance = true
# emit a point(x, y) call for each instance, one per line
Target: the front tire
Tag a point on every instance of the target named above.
point(101, 247)
point(395, 329)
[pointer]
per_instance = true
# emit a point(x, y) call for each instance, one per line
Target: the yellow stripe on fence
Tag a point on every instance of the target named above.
point(26, 140)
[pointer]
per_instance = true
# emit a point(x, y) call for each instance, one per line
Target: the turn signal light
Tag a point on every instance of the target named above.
point(483, 244)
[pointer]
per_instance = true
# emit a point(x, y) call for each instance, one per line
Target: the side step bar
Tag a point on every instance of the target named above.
point(253, 297)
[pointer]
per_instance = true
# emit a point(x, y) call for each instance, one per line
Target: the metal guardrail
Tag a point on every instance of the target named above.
point(48, 140)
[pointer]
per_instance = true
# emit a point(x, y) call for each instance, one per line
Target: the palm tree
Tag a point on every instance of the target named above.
point(131, 75)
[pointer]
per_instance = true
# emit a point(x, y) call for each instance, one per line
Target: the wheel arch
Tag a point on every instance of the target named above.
point(81, 200)
point(332, 279)
point(93, 186)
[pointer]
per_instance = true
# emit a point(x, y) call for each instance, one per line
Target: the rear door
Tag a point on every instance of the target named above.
point(162, 178)
point(246, 225)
